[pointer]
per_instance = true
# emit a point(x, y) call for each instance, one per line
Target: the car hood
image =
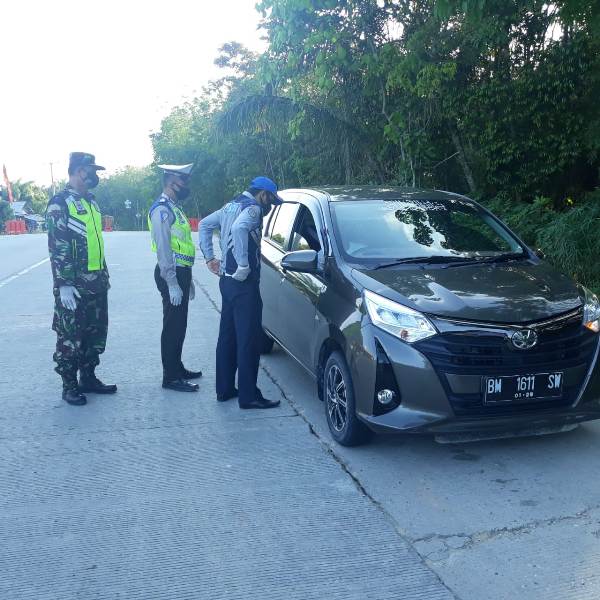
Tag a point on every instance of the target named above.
point(514, 292)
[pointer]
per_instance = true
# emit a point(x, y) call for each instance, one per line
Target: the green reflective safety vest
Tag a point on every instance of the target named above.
point(182, 244)
point(85, 220)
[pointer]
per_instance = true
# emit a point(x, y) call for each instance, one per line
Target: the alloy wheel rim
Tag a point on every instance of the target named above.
point(337, 402)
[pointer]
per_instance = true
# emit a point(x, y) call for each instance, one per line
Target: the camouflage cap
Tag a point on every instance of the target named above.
point(83, 159)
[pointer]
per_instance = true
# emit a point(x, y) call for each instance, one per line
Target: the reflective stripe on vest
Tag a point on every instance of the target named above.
point(85, 220)
point(182, 244)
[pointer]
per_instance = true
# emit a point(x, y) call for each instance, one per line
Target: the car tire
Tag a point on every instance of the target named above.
point(266, 343)
point(340, 407)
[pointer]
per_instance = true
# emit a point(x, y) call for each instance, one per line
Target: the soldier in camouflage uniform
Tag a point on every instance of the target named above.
point(81, 281)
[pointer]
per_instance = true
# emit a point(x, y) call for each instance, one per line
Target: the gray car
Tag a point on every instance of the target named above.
point(419, 311)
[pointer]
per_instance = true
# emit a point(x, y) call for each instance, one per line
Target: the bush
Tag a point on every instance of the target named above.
point(570, 238)
point(572, 243)
point(525, 219)
point(6, 213)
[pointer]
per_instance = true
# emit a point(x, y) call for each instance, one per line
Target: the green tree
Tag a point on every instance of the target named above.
point(6, 213)
point(493, 98)
point(28, 191)
point(126, 194)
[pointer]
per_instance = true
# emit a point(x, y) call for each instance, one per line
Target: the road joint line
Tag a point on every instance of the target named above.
point(14, 276)
point(482, 537)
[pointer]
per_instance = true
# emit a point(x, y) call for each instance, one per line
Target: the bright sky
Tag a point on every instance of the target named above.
point(99, 76)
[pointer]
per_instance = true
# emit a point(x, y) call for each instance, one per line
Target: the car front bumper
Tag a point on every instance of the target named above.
point(425, 406)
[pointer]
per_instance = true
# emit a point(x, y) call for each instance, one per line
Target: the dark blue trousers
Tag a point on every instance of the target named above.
point(240, 332)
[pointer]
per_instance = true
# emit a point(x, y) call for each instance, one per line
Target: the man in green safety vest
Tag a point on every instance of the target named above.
point(171, 237)
point(81, 281)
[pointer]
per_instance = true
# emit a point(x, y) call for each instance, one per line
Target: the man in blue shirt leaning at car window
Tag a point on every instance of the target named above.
point(240, 331)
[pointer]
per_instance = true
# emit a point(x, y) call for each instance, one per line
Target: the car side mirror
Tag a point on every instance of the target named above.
point(301, 261)
point(540, 253)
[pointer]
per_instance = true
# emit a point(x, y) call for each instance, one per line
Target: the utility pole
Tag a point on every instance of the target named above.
point(138, 221)
point(52, 179)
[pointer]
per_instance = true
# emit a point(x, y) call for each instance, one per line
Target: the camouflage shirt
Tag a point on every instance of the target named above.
point(68, 248)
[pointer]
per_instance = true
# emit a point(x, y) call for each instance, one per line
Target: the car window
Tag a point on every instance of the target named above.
point(282, 227)
point(269, 222)
point(377, 229)
point(305, 235)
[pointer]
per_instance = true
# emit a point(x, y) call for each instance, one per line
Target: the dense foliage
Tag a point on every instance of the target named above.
point(23, 191)
point(494, 98)
point(6, 213)
point(126, 196)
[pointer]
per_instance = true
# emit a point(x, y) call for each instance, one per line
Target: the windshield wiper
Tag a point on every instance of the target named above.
point(502, 257)
point(491, 259)
point(432, 259)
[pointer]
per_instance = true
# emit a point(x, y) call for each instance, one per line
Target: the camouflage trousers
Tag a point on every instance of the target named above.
point(81, 334)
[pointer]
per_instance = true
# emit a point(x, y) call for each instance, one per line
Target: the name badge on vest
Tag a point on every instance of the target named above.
point(79, 207)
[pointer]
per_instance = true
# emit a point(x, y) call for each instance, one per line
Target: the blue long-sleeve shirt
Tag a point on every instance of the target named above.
point(240, 224)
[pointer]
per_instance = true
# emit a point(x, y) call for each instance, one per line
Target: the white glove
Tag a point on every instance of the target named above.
point(192, 290)
point(68, 296)
point(241, 273)
point(175, 294)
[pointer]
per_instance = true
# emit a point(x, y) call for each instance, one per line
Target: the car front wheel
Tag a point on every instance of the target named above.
point(340, 408)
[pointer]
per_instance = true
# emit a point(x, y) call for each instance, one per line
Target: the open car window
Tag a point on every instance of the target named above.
point(305, 235)
point(281, 228)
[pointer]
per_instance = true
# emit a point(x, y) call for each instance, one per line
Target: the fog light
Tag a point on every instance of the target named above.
point(385, 396)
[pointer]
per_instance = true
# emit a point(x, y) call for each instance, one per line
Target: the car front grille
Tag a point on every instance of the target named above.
point(466, 354)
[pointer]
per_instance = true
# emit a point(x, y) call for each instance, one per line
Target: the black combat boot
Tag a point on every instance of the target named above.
point(88, 382)
point(70, 394)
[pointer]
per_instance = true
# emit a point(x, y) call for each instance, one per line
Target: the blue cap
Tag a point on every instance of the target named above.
point(264, 183)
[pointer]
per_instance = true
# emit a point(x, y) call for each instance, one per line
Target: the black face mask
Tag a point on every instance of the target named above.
point(91, 180)
point(265, 204)
point(182, 193)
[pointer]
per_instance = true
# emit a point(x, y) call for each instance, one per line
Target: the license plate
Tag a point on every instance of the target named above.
point(540, 386)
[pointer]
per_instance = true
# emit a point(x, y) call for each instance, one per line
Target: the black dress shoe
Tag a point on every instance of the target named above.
point(261, 403)
point(92, 385)
point(225, 397)
point(185, 374)
point(74, 397)
point(181, 385)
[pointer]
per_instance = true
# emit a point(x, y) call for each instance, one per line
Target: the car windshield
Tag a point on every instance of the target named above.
point(386, 231)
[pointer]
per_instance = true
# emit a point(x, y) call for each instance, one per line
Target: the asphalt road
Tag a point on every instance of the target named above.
point(150, 494)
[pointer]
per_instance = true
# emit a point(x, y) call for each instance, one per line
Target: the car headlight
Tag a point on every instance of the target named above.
point(591, 310)
point(405, 323)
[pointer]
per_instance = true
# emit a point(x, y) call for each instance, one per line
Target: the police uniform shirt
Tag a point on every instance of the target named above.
point(162, 218)
point(240, 223)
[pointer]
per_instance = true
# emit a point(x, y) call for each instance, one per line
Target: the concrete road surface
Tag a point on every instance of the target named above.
point(153, 494)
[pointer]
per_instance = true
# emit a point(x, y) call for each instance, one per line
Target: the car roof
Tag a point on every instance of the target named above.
point(357, 193)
